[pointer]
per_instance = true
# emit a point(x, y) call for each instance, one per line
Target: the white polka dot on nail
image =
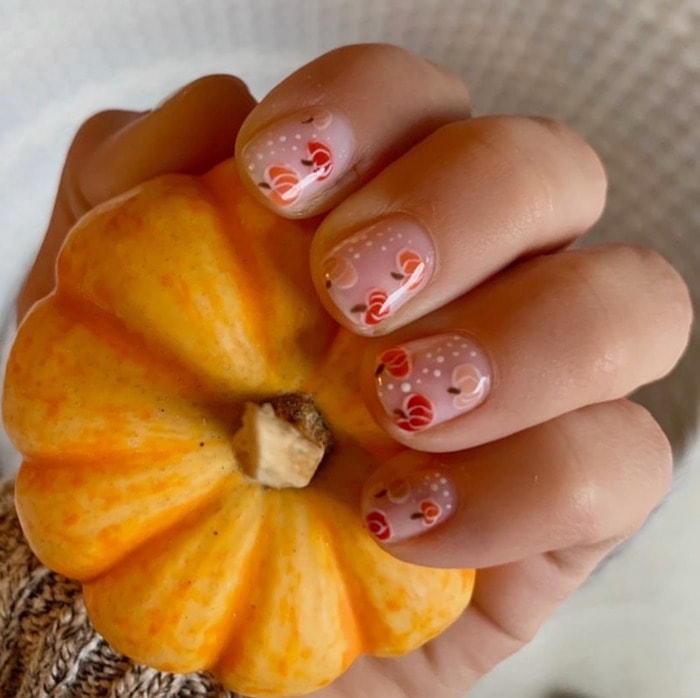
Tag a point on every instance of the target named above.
point(270, 142)
point(283, 139)
point(251, 167)
point(356, 255)
point(259, 156)
point(437, 373)
point(390, 386)
point(434, 487)
point(455, 353)
point(472, 354)
point(425, 370)
point(446, 493)
point(383, 248)
point(440, 359)
point(429, 355)
point(297, 136)
point(405, 387)
point(448, 506)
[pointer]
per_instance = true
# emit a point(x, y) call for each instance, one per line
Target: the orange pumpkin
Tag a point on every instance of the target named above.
point(143, 392)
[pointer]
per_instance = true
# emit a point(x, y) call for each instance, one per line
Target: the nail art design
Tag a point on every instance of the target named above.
point(294, 158)
point(406, 507)
point(371, 274)
point(429, 381)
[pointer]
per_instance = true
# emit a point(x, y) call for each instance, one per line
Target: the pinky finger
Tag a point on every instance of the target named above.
point(537, 513)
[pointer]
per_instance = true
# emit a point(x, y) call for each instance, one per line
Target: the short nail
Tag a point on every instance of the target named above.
point(429, 381)
point(297, 157)
point(375, 271)
point(408, 506)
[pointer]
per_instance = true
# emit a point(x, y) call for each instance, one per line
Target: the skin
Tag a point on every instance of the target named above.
point(557, 467)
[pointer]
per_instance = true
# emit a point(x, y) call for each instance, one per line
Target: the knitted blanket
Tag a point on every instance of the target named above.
point(48, 647)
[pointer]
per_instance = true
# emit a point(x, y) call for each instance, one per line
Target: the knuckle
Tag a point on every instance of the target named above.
point(654, 455)
point(437, 83)
point(614, 482)
point(524, 177)
point(548, 173)
point(627, 296)
point(666, 296)
point(644, 466)
point(669, 286)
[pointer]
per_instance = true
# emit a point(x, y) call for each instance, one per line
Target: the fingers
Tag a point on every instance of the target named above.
point(115, 150)
point(70, 203)
point(466, 202)
point(539, 511)
point(548, 336)
point(535, 512)
point(336, 122)
point(189, 132)
point(586, 478)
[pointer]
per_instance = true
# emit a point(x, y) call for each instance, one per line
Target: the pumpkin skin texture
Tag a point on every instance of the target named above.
point(175, 304)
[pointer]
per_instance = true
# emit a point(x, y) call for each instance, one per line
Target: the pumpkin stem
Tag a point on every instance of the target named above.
point(282, 441)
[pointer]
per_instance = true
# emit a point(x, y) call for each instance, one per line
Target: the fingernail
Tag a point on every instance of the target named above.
point(408, 506)
point(295, 158)
point(429, 381)
point(375, 271)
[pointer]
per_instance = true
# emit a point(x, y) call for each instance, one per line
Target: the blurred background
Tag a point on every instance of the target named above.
point(624, 73)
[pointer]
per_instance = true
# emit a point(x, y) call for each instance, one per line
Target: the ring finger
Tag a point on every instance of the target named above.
point(543, 338)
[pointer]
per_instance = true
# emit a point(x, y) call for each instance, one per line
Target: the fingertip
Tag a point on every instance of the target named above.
point(291, 162)
point(409, 500)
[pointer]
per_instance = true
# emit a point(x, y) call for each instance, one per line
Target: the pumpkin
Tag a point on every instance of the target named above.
point(172, 399)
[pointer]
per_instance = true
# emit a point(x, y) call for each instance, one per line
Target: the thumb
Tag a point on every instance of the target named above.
point(113, 151)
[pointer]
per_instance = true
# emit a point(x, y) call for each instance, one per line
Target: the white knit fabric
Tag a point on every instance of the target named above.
point(625, 73)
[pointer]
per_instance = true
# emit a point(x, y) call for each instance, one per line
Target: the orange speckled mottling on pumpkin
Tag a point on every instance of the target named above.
point(175, 304)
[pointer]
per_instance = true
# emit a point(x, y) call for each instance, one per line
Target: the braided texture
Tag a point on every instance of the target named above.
point(48, 647)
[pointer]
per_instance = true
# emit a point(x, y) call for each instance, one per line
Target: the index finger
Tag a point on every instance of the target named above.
point(333, 124)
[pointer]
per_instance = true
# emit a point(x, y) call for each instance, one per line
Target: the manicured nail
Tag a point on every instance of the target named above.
point(295, 158)
point(375, 271)
point(409, 506)
point(429, 381)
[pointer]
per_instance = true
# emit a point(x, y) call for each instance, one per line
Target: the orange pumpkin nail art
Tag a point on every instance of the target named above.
point(295, 158)
point(409, 506)
point(373, 273)
point(431, 380)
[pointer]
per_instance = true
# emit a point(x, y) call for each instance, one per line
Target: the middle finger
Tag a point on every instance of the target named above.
point(467, 201)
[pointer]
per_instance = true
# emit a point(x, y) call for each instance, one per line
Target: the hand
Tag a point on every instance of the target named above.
point(525, 349)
